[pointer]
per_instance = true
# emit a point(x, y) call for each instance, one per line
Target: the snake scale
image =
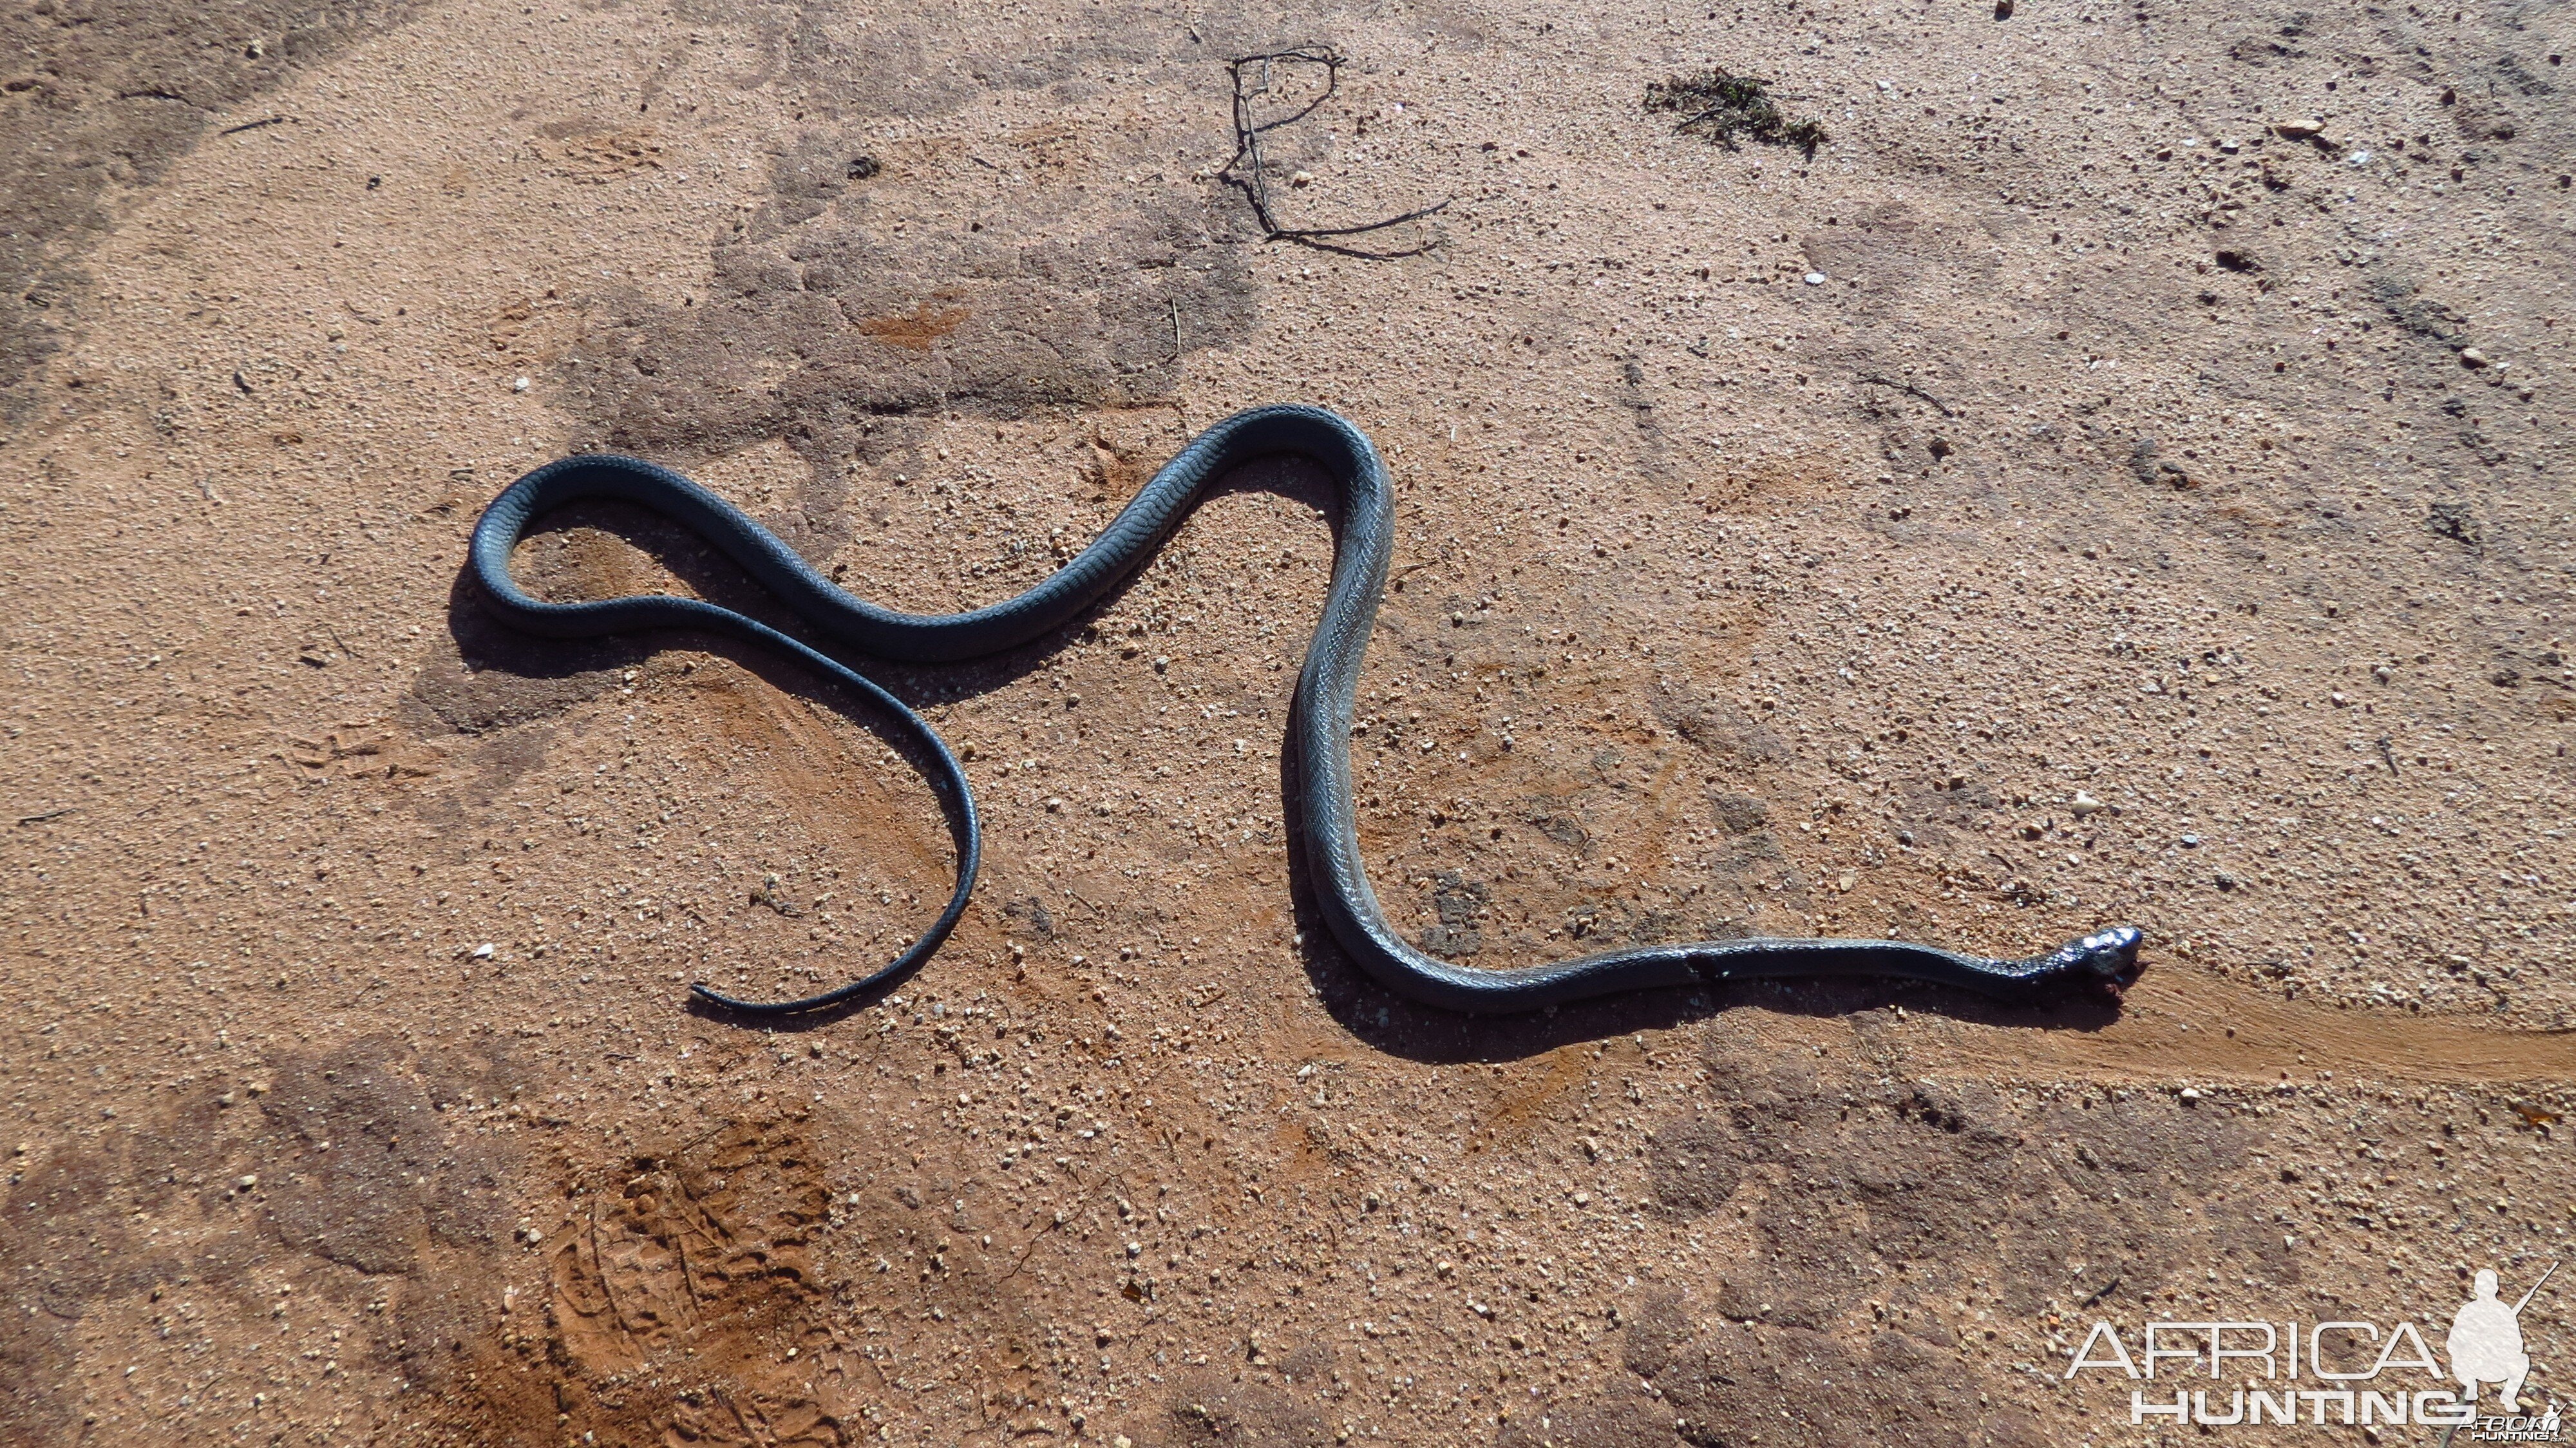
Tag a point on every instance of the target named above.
point(1319, 729)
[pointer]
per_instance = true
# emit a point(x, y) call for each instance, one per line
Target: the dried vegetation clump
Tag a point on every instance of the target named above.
point(1722, 106)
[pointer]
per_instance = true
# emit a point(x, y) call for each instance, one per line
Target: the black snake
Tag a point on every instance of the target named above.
point(1319, 729)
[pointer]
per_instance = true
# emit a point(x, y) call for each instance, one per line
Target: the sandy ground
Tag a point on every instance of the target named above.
point(2151, 406)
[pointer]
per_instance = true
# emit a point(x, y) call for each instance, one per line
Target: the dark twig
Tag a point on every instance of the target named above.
point(2098, 1293)
point(251, 126)
point(719, 1129)
point(37, 819)
point(1254, 178)
point(1910, 389)
point(1057, 1220)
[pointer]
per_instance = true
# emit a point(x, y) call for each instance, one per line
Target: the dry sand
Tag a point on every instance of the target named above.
point(2160, 406)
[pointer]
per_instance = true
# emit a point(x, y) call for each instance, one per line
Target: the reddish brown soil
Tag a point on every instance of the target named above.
point(2172, 424)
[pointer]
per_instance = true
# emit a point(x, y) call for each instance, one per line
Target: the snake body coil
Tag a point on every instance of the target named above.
point(1319, 727)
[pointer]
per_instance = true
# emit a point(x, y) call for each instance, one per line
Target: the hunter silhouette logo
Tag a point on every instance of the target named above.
point(2486, 1341)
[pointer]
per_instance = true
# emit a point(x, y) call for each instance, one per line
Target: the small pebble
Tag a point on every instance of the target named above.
point(2191, 842)
point(1302, 178)
point(1815, 279)
point(483, 952)
point(519, 385)
point(245, 1183)
point(2472, 358)
point(2086, 804)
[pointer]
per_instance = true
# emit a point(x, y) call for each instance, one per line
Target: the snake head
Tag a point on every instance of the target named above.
point(2106, 960)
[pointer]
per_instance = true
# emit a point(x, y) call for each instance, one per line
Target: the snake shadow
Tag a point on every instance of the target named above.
point(519, 678)
point(1385, 1021)
point(584, 668)
point(524, 678)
